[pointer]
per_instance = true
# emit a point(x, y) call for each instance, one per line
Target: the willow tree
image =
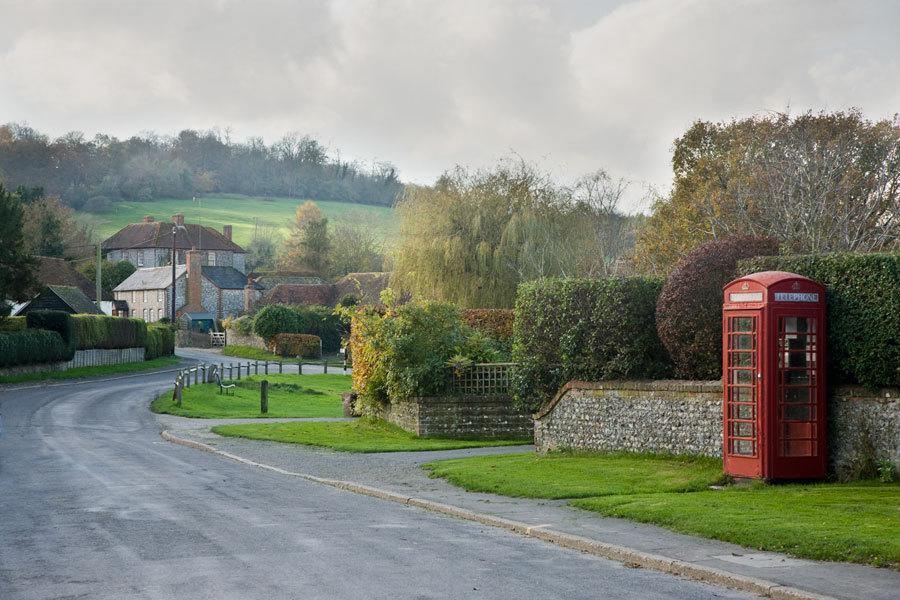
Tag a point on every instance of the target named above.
point(474, 236)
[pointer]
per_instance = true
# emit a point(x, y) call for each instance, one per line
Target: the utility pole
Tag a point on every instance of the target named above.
point(99, 289)
point(174, 230)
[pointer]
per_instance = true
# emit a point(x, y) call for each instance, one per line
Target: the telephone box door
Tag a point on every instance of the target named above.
point(744, 426)
point(798, 444)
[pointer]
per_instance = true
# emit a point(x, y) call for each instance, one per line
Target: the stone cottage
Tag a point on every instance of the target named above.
point(203, 293)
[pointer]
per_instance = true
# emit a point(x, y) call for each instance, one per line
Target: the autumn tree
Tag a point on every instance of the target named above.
point(50, 229)
point(824, 182)
point(309, 243)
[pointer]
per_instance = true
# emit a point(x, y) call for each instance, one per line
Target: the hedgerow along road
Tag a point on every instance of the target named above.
point(95, 504)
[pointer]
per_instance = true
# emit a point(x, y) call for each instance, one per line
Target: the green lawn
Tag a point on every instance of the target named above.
point(858, 522)
point(289, 396)
point(79, 372)
point(251, 353)
point(362, 435)
point(240, 211)
point(578, 475)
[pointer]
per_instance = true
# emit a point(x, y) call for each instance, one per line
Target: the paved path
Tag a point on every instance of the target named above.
point(95, 504)
point(400, 473)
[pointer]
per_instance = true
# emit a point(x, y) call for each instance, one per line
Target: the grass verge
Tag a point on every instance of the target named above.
point(858, 522)
point(578, 475)
point(80, 372)
point(362, 435)
point(289, 396)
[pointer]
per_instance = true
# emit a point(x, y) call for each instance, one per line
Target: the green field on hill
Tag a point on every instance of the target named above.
point(215, 210)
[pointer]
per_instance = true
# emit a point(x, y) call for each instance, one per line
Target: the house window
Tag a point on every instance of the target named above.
point(145, 295)
point(159, 314)
point(134, 295)
point(211, 259)
point(145, 314)
point(140, 258)
point(160, 295)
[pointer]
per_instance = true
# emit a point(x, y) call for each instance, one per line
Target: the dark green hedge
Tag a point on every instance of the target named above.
point(58, 321)
point(160, 342)
point(100, 331)
point(313, 320)
point(587, 329)
point(863, 295)
point(31, 346)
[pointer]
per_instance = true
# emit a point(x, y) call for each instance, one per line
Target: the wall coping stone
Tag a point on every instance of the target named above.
point(640, 385)
point(844, 392)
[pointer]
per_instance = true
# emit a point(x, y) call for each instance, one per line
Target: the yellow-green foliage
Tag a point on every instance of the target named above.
point(12, 324)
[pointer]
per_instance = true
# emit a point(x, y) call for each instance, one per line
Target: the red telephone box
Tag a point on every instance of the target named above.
point(773, 374)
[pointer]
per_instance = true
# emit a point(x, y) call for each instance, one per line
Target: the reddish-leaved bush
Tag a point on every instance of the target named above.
point(689, 309)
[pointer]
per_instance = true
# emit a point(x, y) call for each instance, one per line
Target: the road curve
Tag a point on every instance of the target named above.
point(94, 504)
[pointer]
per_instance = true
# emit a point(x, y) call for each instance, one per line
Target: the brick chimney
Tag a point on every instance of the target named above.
point(148, 219)
point(226, 231)
point(249, 295)
point(194, 287)
point(178, 219)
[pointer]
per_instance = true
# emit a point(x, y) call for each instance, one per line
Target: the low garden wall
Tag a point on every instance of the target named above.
point(685, 417)
point(233, 338)
point(82, 358)
point(488, 417)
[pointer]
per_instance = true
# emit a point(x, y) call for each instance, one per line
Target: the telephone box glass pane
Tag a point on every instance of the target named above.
point(797, 395)
point(742, 342)
point(741, 429)
point(742, 324)
point(742, 376)
point(742, 394)
point(742, 359)
point(742, 411)
point(742, 447)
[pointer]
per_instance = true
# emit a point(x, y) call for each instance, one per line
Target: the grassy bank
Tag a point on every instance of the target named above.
point(80, 372)
point(857, 522)
point(251, 353)
point(289, 396)
point(363, 435)
point(572, 475)
point(242, 212)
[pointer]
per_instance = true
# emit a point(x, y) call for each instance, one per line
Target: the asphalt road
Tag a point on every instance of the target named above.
point(94, 504)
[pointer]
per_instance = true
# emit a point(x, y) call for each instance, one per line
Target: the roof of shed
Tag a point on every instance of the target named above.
point(75, 299)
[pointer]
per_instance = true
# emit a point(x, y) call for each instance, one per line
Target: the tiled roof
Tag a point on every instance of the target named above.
point(227, 278)
point(270, 280)
point(151, 278)
point(288, 293)
point(57, 271)
point(75, 299)
point(159, 235)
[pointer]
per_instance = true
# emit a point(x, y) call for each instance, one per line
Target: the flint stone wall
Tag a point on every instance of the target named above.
point(685, 417)
point(486, 417)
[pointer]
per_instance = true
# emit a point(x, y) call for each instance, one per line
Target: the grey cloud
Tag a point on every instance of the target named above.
point(430, 83)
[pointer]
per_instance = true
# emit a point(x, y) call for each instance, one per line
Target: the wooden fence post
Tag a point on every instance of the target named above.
point(178, 392)
point(264, 396)
point(239, 372)
point(280, 367)
point(256, 368)
point(266, 367)
point(325, 366)
point(299, 366)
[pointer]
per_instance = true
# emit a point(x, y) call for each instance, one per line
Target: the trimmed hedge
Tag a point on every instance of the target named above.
point(863, 296)
point(586, 329)
point(60, 322)
point(101, 331)
point(32, 346)
point(296, 344)
point(689, 309)
point(8, 324)
point(314, 320)
point(160, 342)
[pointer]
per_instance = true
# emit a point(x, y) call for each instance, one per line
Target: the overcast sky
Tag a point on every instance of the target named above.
point(426, 84)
